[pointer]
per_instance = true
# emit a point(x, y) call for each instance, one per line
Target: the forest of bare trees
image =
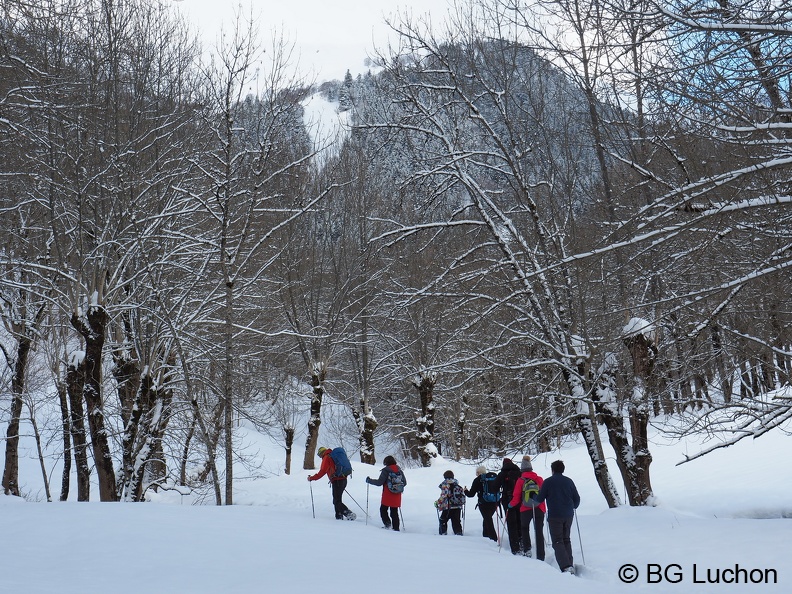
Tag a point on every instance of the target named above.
point(550, 220)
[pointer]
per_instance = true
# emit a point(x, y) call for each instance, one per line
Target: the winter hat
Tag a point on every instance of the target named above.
point(525, 465)
point(322, 451)
point(507, 462)
point(448, 474)
point(481, 470)
point(389, 461)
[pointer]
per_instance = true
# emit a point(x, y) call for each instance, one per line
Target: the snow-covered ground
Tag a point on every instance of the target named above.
point(731, 510)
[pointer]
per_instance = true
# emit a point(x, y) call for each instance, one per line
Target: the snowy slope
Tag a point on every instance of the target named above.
point(728, 510)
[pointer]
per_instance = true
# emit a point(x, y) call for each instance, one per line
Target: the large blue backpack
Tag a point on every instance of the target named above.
point(489, 493)
point(343, 467)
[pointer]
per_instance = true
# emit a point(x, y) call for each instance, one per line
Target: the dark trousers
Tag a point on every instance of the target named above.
point(393, 521)
point(339, 486)
point(537, 515)
point(488, 525)
point(454, 514)
point(513, 525)
point(560, 529)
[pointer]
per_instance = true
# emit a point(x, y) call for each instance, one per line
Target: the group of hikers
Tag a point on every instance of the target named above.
point(517, 494)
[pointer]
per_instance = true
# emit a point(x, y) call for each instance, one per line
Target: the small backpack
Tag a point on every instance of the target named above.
point(395, 481)
point(530, 489)
point(488, 491)
point(343, 467)
point(456, 495)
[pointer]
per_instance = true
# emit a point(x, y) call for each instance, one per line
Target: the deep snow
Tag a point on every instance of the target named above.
point(729, 509)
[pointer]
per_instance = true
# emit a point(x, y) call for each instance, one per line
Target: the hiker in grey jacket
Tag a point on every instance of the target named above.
point(562, 500)
point(391, 501)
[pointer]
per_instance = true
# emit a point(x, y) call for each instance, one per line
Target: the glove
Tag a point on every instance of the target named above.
point(368, 480)
point(310, 479)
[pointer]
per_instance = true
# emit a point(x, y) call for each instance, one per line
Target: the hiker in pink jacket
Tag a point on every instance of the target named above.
point(529, 511)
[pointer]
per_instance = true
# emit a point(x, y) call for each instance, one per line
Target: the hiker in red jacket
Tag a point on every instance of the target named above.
point(392, 481)
point(534, 512)
point(337, 483)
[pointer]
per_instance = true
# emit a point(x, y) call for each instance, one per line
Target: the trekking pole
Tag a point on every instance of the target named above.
point(313, 509)
point(402, 519)
point(367, 499)
point(463, 517)
point(500, 527)
point(356, 503)
point(582, 556)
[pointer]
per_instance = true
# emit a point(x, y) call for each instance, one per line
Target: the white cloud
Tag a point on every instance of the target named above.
point(330, 37)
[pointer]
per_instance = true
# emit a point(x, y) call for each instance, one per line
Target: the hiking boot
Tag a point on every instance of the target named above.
point(528, 553)
point(570, 569)
point(349, 515)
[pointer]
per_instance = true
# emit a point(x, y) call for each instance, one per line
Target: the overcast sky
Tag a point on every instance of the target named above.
point(331, 36)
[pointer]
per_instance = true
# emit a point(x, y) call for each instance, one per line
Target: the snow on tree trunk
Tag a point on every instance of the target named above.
point(644, 353)
point(425, 383)
point(460, 428)
point(63, 401)
point(127, 375)
point(93, 332)
point(144, 465)
point(318, 375)
point(288, 433)
point(75, 381)
point(588, 431)
point(367, 424)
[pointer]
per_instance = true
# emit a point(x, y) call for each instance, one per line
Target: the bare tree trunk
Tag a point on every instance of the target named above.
point(644, 353)
point(63, 400)
point(288, 433)
point(127, 374)
point(75, 380)
point(11, 471)
point(590, 434)
point(149, 466)
point(39, 450)
point(724, 375)
point(367, 424)
point(228, 393)
point(186, 452)
point(210, 454)
point(94, 335)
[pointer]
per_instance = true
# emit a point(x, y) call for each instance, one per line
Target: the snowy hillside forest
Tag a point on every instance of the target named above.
point(545, 221)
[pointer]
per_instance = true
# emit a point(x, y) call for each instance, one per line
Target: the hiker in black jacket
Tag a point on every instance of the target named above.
point(562, 501)
point(487, 508)
point(505, 482)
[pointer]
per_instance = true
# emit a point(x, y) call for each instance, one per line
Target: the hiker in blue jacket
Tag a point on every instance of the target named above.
point(487, 499)
point(562, 501)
